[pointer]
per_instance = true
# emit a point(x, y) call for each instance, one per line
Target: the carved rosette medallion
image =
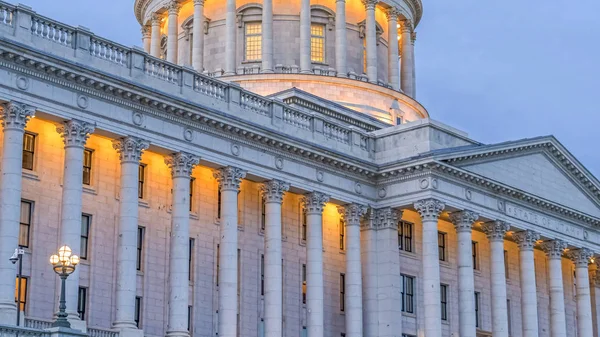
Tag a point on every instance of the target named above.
point(273, 191)
point(15, 115)
point(554, 249)
point(229, 178)
point(352, 213)
point(130, 149)
point(463, 220)
point(75, 133)
point(314, 202)
point(526, 239)
point(580, 257)
point(495, 230)
point(429, 209)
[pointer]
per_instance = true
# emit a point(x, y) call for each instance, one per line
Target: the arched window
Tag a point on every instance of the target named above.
point(322, 21)
point(249, 17)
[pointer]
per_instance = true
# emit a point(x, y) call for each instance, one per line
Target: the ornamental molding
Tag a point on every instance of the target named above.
point(314, 203)
point(229, 178)
point(75, 133)
point(526, 239)
point(272, 191)
point(580, 257)
point(173, 7)
point(182, 164)
point(370, 4)
point(495, 230)
point(130, 149)
point(15, 115)
point(352, 213)
point(429, 209)
point(463, 221)
point(554, 249)
point(385, 218)
point(393, 13)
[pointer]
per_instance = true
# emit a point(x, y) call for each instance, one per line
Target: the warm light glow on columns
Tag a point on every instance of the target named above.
point(495, 231)
point(463, 223)
point(14, 116)
point(341, 39)
point(229, 179)
point(172, 31)
point(75, 134)
point(181, 165)
point(393, 64)
point(554, 251)
point(155, 22)
point(146, 38)
point(526, 241)
point(130, 151)
point(267, 37)
point(230, 42)
point(305, 61)
point(407, 64)
point(272, 194)
point(430, 210)
point(581, 259)
point(371, 36)
point(595, 293)
point(351, 215)
point(314, 204)
point(198, 36)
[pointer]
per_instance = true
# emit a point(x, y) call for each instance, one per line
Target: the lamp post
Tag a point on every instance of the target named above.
point(64, 264)
point(18, 256)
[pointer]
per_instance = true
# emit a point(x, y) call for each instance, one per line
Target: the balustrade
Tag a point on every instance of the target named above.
point(109, 51)
point(336, 132)
point(256, 103)
point(161, 69)
point(6, 15)
point(52, 31)
point(297, 119)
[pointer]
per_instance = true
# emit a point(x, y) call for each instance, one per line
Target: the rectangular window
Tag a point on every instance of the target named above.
point(262, 274)
point(192, 180)
point(477, 306)
point(141, 180)
point(25, 223)
point(263, 214)
point(405, 234)
point(442, 246)
point(475, 247)
point(86, 220)
point(190, 318)
point(408, 283)
point(138, 312)
point(22, 301)
point(317, 43)
point(191, 259)
point(217, 265)
point(28, 150)
point(81, 302)
point(509, 317)
point(506, 264)
point(87, 167)
point(342, 292)
point(342, 234)
point(303, 284)
point(444, 301)
point(398, 120)
point(140, 248)
point(253, 38)
point(219, 203)
point(304, 228)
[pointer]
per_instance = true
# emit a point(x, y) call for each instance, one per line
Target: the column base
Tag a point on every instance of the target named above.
point(8, 314)
point(267, 71)
point(128, 332)
point(124, 325)
point(305, 72)
point(180, 333)
point(229, 73)
point(342, 75)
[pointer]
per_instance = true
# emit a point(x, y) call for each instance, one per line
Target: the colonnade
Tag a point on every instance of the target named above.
point(400, 79)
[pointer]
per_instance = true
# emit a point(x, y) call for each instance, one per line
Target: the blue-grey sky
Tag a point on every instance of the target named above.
point(499, 70)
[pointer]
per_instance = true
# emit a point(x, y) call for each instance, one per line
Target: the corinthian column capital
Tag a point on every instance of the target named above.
point(580, 257)
point(199, 2)
point(182, 164)
point(273, 191)
point(352, 213)
point(526, 239)
point(173, 7)
point(554, 249)
point(314, 202)
point(393, 13)
point(15, 115)
point(370, 4)
point(429, 209)
point(146, 32)
point(406, 26)
point(463, 220)
point(386, 218)
point(495, 230)
point(155, 19)
point(130, 149)
point(229, 178)
point(75, 133)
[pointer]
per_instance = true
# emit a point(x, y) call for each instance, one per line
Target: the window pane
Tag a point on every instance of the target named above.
point(87, 167)
point(25, 223)
point(317, 43)
point(141, 179)
point(140, 247)
point(137, 312)
point(253, 41)
point(81, 302)
point(22, 300)
point(28, 151)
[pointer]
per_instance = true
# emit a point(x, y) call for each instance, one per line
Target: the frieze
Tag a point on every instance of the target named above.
point(544, 221)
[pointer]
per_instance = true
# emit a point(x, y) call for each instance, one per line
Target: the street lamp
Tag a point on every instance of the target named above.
point(18, 256)
point(64, 265)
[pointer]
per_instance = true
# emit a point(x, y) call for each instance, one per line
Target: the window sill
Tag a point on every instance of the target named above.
point(31, 175)
point(445, 322)
point(477, 272)
point(139, 273)
point(84, 262)
point(302, 243)
point(408, 314)
point(217, 221)
point(194, 216)
point(89, 190)
point(343, 252)
point(445, 264)
point(143, 203)
point(410, 255)
point(319, 64)
point(252, 62)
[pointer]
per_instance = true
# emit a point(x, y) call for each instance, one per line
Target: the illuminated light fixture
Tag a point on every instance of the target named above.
point(64, 264)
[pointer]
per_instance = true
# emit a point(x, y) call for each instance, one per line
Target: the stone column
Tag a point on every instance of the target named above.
point(526, 241)
point(181, 165)
point(14, 118)
point(581, 259)
point(430, 210)
point(463, 222)
point(130, 151)
point(313, 206)
point(230, 42)
point(371, 35)
point(341, 39)
point(155, 21)
point(305, 20)
point(198, 36)
point(267, 37)
point(354, 323)
point(229, 179)
point(75, 134)
point(272, 193)
point(595, 294)
point(406, 70)
point(393, 64)
point(146, 37)
point(172, 31)
point(369, 261)
point(413, 38)
point(495, 231)
point(558, 322)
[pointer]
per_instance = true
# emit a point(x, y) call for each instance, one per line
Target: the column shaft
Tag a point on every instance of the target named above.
point(393, 64)
point(558, 322)
point(406, 70)
point(341, 39)
point(413, 38)
point(173, 32)
point(371, 34)
point(526, 241)
point(198, 36)
point(146, 38)
point(14, 119)
point(369, 260)
point(595, 295)
point(305, 61)
point(155, 36)
point(581, 258)
point(267, 36)
point(230, 41)
point(495, 231)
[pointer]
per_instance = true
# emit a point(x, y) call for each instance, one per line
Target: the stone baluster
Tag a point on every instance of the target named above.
point(406, 70)
point(230, 41)
point(558, 322)
point(526, 241)
point(581, 258)
point(267, 37)
point(130, 151)
point(155, 22)
point(229, 179)
point(430, 210)
point(463, 223)
point(172, 31)
point(393, 64)
point(305, 21)
point(146, 38)
point(495, 231)
point(14, 116)
point(341, 39)
point(198, 36)
point(371, 35)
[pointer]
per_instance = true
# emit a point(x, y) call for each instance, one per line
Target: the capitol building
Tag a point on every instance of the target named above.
point(263, 168)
